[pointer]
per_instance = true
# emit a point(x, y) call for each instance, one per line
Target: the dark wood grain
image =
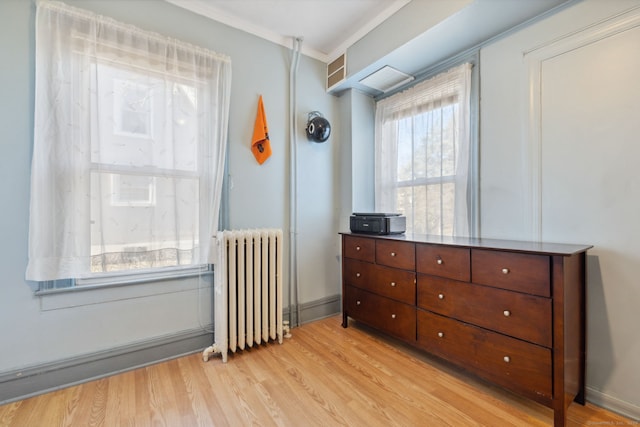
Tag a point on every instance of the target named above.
point(391, 316)
point(522, 316)
point(443, 261)
point(359, 248)
point(357, 273)
point(399, 285)
point(514, 271)
point(510, 312)
point(514, 364)
point(396, 254)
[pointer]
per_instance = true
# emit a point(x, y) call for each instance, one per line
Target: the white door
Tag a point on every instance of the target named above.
point(590, 189)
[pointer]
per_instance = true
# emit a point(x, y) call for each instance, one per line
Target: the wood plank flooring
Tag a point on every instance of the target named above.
point(324, 376)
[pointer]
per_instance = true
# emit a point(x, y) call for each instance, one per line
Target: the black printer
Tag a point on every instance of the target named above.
point(378, 223)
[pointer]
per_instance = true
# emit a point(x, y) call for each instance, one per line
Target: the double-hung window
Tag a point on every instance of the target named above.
point(423, 147)
point(129, 148)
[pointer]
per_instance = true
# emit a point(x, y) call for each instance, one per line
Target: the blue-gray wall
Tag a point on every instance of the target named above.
point(57, 330)
point(332, 182)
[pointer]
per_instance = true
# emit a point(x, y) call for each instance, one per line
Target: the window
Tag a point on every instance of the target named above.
point(422, 154)
point(129, 147)
point(133, 190)
point(132, 108)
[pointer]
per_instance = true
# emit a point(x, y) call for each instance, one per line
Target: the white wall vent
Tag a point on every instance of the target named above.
point(386, 78)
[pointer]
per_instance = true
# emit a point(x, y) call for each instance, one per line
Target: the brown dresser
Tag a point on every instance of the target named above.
point(510, 312)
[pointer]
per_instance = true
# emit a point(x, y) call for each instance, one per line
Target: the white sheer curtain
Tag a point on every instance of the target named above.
point(129, 145)
point(422, 146)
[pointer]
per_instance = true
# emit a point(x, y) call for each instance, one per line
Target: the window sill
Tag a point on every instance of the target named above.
point(118, 288)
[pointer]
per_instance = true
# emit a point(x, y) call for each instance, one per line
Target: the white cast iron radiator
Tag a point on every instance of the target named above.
point(247, 290)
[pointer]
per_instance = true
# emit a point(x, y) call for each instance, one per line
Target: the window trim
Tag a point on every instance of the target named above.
point(116, 194)
point(53, 255)
point(472, 56)
point(112, 280)
point(119, 108)
point(420, 182)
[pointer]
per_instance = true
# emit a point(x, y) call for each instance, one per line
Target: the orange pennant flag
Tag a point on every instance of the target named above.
point(260, 145)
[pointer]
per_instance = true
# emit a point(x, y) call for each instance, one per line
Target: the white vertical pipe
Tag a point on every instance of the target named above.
point(293, 182)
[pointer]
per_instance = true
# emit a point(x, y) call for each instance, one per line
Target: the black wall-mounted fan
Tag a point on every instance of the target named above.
point(318, 128)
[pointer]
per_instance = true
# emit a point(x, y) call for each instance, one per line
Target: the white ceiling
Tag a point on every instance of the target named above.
point(327, 27)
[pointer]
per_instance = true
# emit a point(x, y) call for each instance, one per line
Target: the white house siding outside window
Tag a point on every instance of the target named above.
point(422, 140)
point(129, 147)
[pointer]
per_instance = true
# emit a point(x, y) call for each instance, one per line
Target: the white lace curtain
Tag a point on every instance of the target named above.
point(129, 145)
point(422, 148)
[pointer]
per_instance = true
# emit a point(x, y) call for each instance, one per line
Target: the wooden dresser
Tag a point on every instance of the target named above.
point(510, 312)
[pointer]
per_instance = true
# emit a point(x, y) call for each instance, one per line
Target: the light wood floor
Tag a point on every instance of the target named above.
point(324, 376)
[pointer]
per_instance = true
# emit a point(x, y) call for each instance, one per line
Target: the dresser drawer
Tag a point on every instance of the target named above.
point(445, 337)
point(389, 282)
point(514, 364)
point(396, 284)
point(359, 248)
point(358, 273)
point(390, 316)
point(513, 271)
point(396, 254)
point(519, 315)
point(443, 261)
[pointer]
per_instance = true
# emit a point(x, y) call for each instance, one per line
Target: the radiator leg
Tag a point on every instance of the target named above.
point(213, 349)
point(286, 329)
point(208, 352)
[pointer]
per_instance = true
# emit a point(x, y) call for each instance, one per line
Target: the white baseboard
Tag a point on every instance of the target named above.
point(613, 404)
point(35, 380)
point(39, 379)
point(315, 310)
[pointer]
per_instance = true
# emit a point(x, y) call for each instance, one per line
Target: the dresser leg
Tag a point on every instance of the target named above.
point(559, 418)
point(345, 322)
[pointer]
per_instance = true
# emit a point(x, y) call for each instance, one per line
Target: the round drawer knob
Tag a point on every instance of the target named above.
point(507, 359)
point(441, 334)
point(506, 313)
point(505, 271)
point(393, 316)
point(393, 284)
point(440, 296)
point(357, 248)
point(439, 261)
point(393, 254)
point(358, 302)
point(357, 274)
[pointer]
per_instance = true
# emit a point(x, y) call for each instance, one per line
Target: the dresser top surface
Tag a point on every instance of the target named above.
point(481, 243)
